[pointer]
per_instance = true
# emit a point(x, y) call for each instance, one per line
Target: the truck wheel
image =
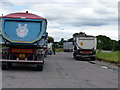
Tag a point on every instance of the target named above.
point(93, 58)
point(77, 58)
point(4, 66)
point(74, 56)
point(39, 67)
point(9, 65)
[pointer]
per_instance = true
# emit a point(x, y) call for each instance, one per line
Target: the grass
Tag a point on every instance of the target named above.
point(112, 57)
point(59, 50)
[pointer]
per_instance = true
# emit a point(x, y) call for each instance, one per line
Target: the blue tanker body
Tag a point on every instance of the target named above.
point(23, 31)
point(25, 36)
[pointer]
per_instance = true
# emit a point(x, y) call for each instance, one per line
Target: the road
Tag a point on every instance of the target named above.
point(61, 71)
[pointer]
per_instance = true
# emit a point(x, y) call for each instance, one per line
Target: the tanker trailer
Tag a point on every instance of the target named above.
point(22, 34)
point(84, 47)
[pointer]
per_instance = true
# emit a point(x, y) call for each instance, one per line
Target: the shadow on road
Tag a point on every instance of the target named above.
point(22, 67)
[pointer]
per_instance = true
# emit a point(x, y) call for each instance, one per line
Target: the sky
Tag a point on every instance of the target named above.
point(66, 17)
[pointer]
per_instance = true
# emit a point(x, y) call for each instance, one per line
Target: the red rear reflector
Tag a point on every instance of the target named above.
point(22, 51)
point(87, 52)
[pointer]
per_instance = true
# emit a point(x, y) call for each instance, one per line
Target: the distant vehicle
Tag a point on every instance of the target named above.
point(24, 35)
point(50, 48)
point(84, 47)
point(68, 46)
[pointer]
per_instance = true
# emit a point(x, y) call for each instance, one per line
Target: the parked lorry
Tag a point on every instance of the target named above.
point(84, 47)
point(22, 34)
point(68, 46)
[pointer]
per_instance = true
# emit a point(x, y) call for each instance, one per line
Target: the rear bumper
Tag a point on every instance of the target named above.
point(21, 61)
point(85, 56)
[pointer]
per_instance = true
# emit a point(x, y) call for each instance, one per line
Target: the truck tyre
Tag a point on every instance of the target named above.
point(39, 67)
point(9, 65)
point(81, 59)
point(93, 58)
point(75, 56)
point(4, 66)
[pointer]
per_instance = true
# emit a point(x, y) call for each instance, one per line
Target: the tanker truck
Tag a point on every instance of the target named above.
point(22, 34)
point(84, 47)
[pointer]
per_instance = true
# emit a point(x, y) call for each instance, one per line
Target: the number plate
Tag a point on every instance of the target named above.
point(87, 52)
point(21, 55)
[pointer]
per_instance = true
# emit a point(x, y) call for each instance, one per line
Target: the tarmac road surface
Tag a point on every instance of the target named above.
point(62, 71)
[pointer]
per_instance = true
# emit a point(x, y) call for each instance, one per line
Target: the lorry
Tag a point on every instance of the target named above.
point(22, 34)
point(68, 46)
point(84, 47)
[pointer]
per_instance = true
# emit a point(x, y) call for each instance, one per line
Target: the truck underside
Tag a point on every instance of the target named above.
point(84, 53)
point(30, 54)
point(68, 50)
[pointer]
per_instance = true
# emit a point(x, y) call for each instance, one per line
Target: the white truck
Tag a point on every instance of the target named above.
point(68, 46)
point(84, 47)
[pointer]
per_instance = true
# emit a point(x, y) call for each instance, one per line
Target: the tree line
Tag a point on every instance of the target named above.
point(103, 42)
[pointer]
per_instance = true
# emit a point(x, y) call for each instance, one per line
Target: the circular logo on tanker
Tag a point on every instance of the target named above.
point(22, 31)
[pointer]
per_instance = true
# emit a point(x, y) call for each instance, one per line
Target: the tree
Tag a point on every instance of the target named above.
point(61, 41)
point(70, 40)
point(80, 33)
point(118, 45)
point(104, 42)
point(50, 39)
point(114, 45)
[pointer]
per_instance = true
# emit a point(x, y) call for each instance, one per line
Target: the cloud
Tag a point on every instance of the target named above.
point(66, 17)
point(75, 15)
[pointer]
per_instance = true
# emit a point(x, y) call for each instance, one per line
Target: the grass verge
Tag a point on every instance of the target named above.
point(112, 57)
point(59, 50)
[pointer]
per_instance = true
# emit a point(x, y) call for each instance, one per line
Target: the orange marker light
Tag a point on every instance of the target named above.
point(81, 43)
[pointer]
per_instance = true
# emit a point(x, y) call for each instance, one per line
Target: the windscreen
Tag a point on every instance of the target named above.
point(26, 31)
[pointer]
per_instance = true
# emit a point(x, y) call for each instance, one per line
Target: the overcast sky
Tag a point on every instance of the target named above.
point(65, 17)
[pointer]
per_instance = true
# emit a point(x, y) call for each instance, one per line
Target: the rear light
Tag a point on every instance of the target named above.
point(86, 52)
point(16, 55)
point(3, 54)
point(28, 55)
point(21, 50)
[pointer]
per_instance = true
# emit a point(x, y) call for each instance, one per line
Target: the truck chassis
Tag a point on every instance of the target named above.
point(85, 53)
point(19, 54)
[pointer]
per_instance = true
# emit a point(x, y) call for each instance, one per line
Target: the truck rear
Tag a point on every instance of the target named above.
point(22, 34)
point(84, 47)
point(68, 46)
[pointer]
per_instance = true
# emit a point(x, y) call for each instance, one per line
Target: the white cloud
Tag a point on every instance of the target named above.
point(66, 17)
